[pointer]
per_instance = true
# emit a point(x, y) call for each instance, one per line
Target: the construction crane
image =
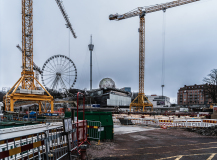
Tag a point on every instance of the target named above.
point(141, 101)
point(28, 90)
point(35, 67)
point(68, 24)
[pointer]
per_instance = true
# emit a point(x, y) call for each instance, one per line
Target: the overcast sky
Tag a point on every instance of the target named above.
point(190, 42)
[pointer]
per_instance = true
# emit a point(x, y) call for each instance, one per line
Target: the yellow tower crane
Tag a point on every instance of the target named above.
point(141, 101)
point(26, 88)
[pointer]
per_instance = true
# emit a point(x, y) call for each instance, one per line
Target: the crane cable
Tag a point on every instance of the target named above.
point(163, 48)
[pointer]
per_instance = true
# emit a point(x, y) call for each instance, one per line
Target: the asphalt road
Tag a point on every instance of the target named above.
point(147, 143)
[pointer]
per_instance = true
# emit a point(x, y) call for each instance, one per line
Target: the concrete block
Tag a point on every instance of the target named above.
point(38, 92)
point(26, 91)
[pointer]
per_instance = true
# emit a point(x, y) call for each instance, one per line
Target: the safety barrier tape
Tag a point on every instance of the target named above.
point(165, 121)
point(210, 121)
point(19, 138)
point(95, 127)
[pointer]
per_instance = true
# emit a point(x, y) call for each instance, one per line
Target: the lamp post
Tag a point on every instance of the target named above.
point(162, 93)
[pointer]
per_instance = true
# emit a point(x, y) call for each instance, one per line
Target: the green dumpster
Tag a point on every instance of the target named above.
point(104, 117)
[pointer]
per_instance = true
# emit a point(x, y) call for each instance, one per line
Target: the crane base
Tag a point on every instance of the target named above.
point(140, 103)
point(13, 95)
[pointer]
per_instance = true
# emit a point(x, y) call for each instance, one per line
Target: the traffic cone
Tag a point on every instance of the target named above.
point(164, 126)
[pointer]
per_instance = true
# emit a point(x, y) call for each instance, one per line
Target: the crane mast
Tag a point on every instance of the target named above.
point(27, 45)
point(35, 67)
point(141, 100)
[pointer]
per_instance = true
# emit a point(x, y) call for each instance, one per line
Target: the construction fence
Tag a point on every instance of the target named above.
point(178, 123)
point(43, 143)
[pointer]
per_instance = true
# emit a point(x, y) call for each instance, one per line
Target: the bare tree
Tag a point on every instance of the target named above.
point(211, 88)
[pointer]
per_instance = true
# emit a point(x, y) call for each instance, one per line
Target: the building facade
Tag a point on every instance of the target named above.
point(159, 101)
point(193, 95)
point(110, 97)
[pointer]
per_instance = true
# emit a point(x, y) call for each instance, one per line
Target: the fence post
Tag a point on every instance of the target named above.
point(46, 141)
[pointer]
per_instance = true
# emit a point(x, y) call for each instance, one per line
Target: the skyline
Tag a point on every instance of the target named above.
point(190, 42)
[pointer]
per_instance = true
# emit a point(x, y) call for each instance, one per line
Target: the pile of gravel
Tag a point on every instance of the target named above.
point(208, 131)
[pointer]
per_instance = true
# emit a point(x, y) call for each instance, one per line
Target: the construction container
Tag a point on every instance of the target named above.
point(107, 128)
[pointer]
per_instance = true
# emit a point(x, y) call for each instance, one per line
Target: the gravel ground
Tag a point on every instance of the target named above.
point(155, 143)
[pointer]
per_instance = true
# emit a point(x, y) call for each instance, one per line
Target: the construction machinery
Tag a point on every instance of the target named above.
point(141, 101)
point(26, 89)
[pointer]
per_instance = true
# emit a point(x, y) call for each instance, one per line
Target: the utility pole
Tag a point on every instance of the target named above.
point(163, 94)
point(162, 90)
point(91, 46)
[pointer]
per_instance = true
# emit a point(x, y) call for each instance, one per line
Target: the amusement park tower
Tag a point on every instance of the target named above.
point(91, 46)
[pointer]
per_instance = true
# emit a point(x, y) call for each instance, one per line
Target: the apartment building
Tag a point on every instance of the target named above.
point(193, 95)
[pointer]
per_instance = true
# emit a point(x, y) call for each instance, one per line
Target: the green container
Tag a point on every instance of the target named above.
point(18, 124)
point(104, 117)
point(68, 114)
point(7, 125)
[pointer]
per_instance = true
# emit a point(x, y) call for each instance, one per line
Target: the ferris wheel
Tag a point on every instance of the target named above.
point(58, 73)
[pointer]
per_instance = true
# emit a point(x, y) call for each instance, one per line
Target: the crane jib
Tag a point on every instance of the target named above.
point(150, 9)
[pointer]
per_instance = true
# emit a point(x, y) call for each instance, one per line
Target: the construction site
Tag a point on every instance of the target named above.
point(102, 89)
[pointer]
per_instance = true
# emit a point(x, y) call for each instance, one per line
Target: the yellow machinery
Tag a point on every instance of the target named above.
point(211, 105)
point(28, 90)
point(141, 101)
point(28, 82)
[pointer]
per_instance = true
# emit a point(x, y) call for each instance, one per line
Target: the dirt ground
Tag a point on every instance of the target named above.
point(156, 144)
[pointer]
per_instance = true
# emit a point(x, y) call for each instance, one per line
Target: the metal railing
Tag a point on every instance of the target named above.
point(94, 130)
